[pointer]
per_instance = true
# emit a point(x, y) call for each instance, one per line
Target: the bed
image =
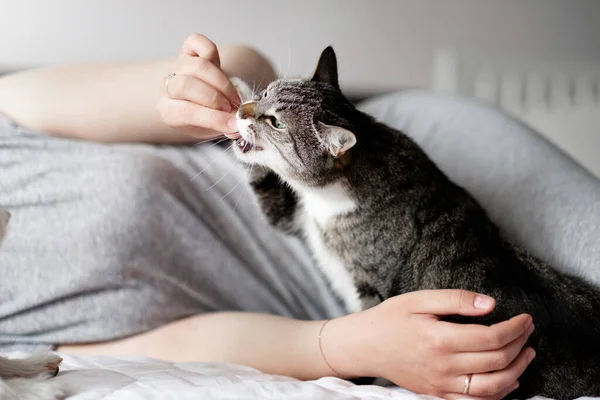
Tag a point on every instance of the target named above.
point(111, 378)
point(560, 100)
point(574, 127)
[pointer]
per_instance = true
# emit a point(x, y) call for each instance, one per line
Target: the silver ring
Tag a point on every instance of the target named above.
point(467, 384)
point(171, 74)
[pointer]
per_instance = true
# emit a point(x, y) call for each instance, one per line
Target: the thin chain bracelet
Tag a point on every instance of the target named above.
point(323, 353)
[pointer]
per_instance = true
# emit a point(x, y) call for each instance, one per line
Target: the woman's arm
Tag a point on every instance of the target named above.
point(113, 102)
point(400, 340)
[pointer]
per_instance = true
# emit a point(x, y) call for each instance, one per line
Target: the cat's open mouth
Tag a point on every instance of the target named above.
point(246, 145)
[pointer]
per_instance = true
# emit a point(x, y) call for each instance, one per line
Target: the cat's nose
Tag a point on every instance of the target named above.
point(246, 110)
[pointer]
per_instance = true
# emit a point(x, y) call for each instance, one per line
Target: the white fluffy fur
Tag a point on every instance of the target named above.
point(26, 378)
point(320, 206)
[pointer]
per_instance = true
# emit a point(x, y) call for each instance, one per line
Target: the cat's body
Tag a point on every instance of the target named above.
point(382, 220)
point(432, 235)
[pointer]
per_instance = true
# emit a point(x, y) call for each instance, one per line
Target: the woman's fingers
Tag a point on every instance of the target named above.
point(197, 95)
point(209, 73)
point(492, 383)
point(197, 45)
point(449, 302)
point(495, 360)
point(185, 87)
point(185, 113)
point(499, 396)
point(472, 337)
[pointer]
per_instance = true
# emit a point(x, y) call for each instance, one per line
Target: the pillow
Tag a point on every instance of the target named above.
point(535, 192)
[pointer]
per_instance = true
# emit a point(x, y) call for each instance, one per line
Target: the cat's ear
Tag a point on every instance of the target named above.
point(244, 91)
point(337, 140)
point(326, 70)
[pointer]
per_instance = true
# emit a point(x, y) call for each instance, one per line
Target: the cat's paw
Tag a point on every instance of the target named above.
point(243, 89)
point(39, 363)
point(31, 389)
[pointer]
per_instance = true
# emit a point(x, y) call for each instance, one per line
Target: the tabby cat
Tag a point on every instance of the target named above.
point(381, 220)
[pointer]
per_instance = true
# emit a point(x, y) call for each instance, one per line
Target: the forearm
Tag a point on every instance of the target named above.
point(101, 102)
point(110, 102)
point(272, 344)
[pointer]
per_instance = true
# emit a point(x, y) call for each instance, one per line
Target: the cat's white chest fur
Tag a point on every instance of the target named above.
point(320, 206)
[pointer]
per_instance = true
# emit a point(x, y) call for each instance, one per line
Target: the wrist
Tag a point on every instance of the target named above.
point(346, 345)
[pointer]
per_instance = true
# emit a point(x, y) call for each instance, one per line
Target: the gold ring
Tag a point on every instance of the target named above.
point(171, 74)
point(467, 384)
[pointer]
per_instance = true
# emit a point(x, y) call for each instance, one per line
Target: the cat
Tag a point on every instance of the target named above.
point(26, 378)
point(381, 219)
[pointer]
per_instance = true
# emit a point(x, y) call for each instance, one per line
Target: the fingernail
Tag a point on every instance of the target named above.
point(530, 329)
point(514, 386)
point(530, 355)
point(232, 125)
point(226, 107)
point(483, 302)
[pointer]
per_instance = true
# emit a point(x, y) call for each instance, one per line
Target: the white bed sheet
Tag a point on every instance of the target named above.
point(111, 378)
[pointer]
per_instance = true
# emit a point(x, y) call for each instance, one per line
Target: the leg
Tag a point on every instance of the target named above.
point(107, 241)
point(537, 194)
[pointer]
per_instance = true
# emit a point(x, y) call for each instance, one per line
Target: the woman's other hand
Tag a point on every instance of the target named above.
point(403, 340)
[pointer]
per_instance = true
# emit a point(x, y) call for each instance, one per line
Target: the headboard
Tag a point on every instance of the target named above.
point(560, 100)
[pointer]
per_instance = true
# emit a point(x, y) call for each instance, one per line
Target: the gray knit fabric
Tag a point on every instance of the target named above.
point(110, 240)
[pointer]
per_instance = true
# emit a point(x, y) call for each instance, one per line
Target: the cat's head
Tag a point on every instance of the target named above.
point(301, 129)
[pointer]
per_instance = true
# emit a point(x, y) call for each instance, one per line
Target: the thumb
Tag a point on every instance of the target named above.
point(449, 302)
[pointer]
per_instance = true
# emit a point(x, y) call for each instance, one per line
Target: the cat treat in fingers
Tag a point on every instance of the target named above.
point(381, 220)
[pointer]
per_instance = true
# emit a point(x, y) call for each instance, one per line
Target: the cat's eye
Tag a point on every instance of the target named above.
point(275, 123)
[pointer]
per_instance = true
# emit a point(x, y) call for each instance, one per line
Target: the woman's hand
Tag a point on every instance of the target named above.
point(199, 94)
point(402, 340)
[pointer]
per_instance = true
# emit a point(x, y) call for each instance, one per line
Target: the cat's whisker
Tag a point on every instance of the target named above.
point(241, 192)
point(232, 189)
point(209, 164)
point(219, 139)
point(279, 68)
point(289, 57)
point(259, 83)
point(237, 104)
point(223, 177)
point(248, 171)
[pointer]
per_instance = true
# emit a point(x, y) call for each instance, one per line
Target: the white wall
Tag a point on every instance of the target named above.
point(381, 44)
